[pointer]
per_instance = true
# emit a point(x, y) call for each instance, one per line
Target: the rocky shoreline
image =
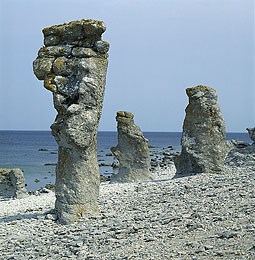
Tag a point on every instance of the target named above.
point(205, 216)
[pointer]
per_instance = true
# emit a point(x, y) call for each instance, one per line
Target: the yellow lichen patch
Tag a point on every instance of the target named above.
point(80, 211)
point(59, 65)
point(113, 149)
point(89, 24)
point(121, 113)
point(49, 83)
point(202, 88)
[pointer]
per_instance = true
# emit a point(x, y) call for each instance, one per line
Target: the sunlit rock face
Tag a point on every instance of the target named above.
point(132, 151)
point(204, 146)
point(73, 64)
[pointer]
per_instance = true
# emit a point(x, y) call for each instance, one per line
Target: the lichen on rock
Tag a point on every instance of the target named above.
point(132, 151)
point(75, 72)
point(204, 146)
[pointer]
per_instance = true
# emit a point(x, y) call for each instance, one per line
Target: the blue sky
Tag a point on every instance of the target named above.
point(158, 49)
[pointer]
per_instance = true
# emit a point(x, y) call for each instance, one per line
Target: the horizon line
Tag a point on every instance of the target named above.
point(146, 131)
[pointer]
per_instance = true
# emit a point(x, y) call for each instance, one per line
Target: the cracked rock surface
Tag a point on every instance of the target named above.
point(12, 183)
point(204, 145)
point(73, 65)
point(206, 216)
point(132, 151)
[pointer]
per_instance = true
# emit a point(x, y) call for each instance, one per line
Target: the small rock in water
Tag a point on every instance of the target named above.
point(43, 150)
point(45, 190)
point(50, 186)
point(105, 164)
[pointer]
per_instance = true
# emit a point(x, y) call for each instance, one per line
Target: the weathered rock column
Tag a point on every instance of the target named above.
point(132, 151)
point(251, 132)
point(73, 65)
point(204, 146)
point(12, 183)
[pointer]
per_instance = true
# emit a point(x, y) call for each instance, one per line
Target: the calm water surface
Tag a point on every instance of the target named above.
point(33, 151)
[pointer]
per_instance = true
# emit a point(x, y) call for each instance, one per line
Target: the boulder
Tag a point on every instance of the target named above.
point(12, 183)
point(76, 78)
point(204, 145)
point(251, 132)
point(132, 151)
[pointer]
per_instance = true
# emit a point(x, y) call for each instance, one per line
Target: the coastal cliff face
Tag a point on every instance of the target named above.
point(73, 65)
point(204, 146)
point(132, 151)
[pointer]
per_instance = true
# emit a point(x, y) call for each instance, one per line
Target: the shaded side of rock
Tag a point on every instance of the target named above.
point(204, 145)
point(12, 183)
point(74, 70)
point(132, 151)
point(251, 132)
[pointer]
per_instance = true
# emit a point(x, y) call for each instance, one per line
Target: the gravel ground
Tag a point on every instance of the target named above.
point(198, 217)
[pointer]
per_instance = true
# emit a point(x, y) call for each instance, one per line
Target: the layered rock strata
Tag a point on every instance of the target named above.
point(132, 151)
point(204, 146)
point(73, 64)
point(251, 132)
point(12, 183)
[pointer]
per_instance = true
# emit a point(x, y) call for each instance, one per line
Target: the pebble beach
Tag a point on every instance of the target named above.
point(205, 216)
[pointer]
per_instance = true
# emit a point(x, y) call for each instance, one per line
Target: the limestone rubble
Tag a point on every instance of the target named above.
point(132, 151)
point(204, 146)
point(206, 216)
point(73, 65)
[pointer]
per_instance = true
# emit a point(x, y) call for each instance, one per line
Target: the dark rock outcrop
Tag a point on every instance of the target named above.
point(132, 151)
point(251, 132)
point(12, 183)
point(73, 65)
point(204, 146)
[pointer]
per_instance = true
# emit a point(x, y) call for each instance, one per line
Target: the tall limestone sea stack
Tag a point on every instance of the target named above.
point(204, 146)
point(132, 151)
point(73, 65)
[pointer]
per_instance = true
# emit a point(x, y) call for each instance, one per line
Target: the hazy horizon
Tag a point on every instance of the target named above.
point(157, 50)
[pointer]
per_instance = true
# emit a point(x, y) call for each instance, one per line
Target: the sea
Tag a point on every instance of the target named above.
point(35, 152)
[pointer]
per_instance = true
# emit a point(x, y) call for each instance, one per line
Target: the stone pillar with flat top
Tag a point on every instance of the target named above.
point(132, 151)
point(73, 64)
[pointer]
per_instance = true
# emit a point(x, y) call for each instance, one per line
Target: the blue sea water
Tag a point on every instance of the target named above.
point(34, 151)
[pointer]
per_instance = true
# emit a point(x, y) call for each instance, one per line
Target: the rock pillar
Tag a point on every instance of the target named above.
point(132, 151)
point(12, 183)
point(251, 132)
point(204, 146)
point(73, 65)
